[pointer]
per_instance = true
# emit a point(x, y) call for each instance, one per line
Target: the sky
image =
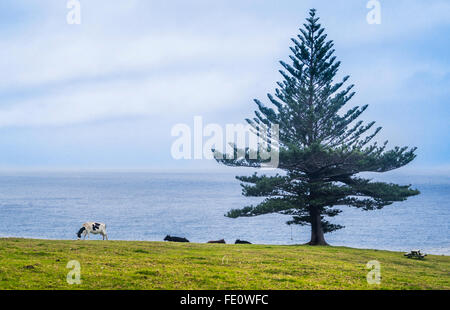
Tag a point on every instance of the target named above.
point(106, 93)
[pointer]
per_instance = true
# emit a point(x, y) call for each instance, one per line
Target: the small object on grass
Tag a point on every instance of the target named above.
point(415, 254)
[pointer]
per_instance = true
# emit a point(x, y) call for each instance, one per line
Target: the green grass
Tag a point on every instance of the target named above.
point(41, 264)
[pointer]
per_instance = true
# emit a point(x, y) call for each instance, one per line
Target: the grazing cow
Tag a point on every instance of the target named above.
point(92, 228)
point(218, 241)
point(175, 239)
point(242, 242)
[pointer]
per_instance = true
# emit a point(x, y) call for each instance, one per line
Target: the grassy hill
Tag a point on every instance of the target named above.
point(41, 264)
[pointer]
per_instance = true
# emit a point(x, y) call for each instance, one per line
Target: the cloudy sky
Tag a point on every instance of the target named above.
point(106, 93)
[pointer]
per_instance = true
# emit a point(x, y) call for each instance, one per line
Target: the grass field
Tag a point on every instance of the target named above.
point(41, 264)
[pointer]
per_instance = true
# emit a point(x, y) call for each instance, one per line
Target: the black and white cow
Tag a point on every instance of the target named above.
point(92, 228)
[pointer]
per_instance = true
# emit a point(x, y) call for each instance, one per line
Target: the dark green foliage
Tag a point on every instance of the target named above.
point(321, 147)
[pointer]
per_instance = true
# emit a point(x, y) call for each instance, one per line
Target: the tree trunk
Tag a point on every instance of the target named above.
point(317, 235)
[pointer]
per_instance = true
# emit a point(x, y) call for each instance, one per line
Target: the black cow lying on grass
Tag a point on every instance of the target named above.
point(175, 239)
point(218, 241)
point(242, 242)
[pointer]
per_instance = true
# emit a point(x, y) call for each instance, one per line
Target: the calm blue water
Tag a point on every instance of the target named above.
point(147, 206)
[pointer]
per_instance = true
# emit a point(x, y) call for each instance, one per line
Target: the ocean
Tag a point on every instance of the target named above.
point(150, 205)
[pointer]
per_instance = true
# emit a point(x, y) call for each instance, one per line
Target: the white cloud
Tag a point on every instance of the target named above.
point(173, 94)
point(109, 67)
point(58, 59)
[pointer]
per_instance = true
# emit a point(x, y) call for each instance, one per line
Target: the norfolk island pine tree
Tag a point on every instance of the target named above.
point(321, 148)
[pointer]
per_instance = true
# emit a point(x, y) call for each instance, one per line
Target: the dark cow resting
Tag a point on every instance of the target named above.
point(242, 242)
point(218, 241)
point(175, 239)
